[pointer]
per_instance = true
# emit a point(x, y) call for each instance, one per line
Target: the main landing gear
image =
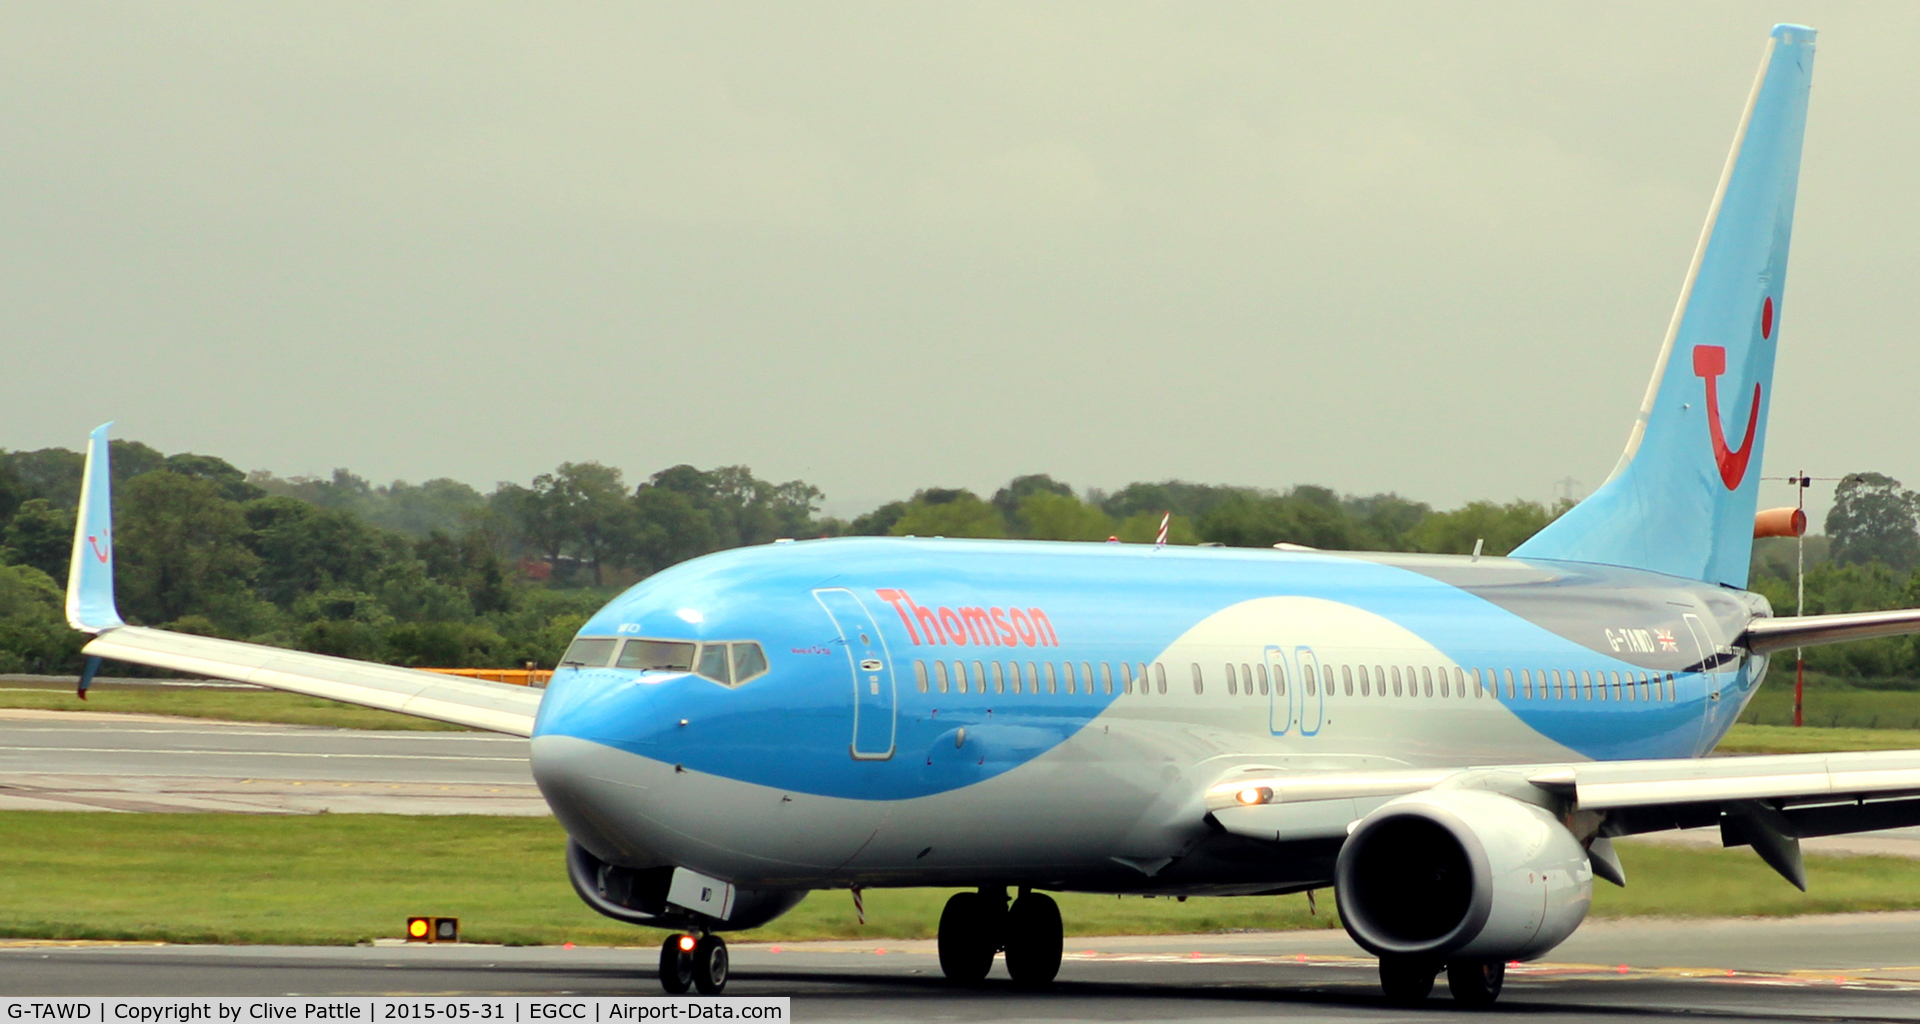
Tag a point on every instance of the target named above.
point(693, 961)
point(1408, 980)
point(976, 925)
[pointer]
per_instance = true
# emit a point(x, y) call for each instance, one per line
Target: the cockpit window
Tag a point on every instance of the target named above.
point(726, 663)
point(589, 652)
point(662, 655)
point(748, 661)
point(713, 663)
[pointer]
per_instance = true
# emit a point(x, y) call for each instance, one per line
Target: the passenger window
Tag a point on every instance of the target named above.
point(1346, 678)
point(1106, 678)
point(1233, 685)
point(1086, 676)
point(980, 675)
point(591, 653)
point(1013, 677)
point(1033, 678)
point(1160, 677)
point(940, 676)
point(1126, 673)
point(1426, 676)
point(1526, 677)
point(1066, 676)
point(1280, 680)
point(713, 663)
point(1053, 680)
point(960, 676)
point(1444, 690)
point(1366, 688)
point(665, 655)
point(1312, 679)
point(999, 680)
point(1262, 669)
point(1559, 686)
point(749, 662)
point(920, 676)
point(1510, 690)
point(1588, 681)
point(1396, 681)
point(1198, 686)
point(1459, 682)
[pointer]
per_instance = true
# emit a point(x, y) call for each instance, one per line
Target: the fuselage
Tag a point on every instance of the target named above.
point(934, 711)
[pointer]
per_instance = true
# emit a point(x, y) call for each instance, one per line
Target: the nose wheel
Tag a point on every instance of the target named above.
point(676, 963)
point(693, 962)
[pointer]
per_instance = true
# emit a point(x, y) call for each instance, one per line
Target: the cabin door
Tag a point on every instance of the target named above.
point(1314, 682)
point(1283, 697)
point(874, 699)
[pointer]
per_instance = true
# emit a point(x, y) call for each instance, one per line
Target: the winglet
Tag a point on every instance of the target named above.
point(90, 607)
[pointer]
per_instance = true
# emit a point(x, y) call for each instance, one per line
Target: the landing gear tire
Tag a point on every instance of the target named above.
point(1476, 982)
point(1033, 940)
point(676, 965)
point(710, 965)
point(1406, 980)
point(969, 936)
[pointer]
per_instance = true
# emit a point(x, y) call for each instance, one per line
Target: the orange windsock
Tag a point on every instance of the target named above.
point(1779, 522)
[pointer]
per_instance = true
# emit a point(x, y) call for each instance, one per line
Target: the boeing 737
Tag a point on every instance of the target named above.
point(1451, 743)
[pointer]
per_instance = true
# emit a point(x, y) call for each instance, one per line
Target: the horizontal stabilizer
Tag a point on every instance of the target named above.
point(1765, 636)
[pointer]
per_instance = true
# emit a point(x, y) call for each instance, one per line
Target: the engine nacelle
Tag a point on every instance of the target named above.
point(639, 896)
point(1458, 873)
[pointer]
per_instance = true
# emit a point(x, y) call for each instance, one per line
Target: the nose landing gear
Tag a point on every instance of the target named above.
point(976, 925)
point(697, 962)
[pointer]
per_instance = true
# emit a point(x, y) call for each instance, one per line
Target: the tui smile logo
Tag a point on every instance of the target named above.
point(1709, 362)
point(100, 551)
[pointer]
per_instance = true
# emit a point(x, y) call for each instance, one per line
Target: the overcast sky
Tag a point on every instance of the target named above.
point(1424, 248)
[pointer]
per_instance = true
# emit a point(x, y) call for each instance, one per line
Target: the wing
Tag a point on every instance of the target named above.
point(90, 608)
point(1768, 802)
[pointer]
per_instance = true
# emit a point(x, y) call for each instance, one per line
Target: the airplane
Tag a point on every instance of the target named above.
point(1450, 743)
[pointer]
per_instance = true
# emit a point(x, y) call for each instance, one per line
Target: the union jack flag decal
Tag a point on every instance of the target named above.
point(1667, 642)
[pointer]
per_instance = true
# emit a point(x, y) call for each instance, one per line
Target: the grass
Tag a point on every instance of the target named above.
point(337, 879)
point(1785, 739)
point(1832, 704)
point(231, 705)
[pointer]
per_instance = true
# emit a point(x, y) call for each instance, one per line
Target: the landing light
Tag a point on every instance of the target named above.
point(1254, 795)
point(686, 943)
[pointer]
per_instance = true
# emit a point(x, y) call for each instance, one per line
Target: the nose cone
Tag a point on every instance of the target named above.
point(590, 750)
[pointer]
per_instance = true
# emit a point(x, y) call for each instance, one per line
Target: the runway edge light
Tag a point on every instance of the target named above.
point(446, 929)
point(419, 929)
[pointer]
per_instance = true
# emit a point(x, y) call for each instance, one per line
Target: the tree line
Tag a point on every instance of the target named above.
point(441, 574)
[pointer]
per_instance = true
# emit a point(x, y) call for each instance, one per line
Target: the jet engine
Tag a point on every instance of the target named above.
point(639, 896)
point(1462, 874)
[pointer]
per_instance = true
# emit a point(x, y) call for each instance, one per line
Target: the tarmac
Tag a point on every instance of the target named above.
point(1851, 967)
point(91, 761)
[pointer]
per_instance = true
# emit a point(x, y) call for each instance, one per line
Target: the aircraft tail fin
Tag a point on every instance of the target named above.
point(1682, 498)
point(90, 604)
